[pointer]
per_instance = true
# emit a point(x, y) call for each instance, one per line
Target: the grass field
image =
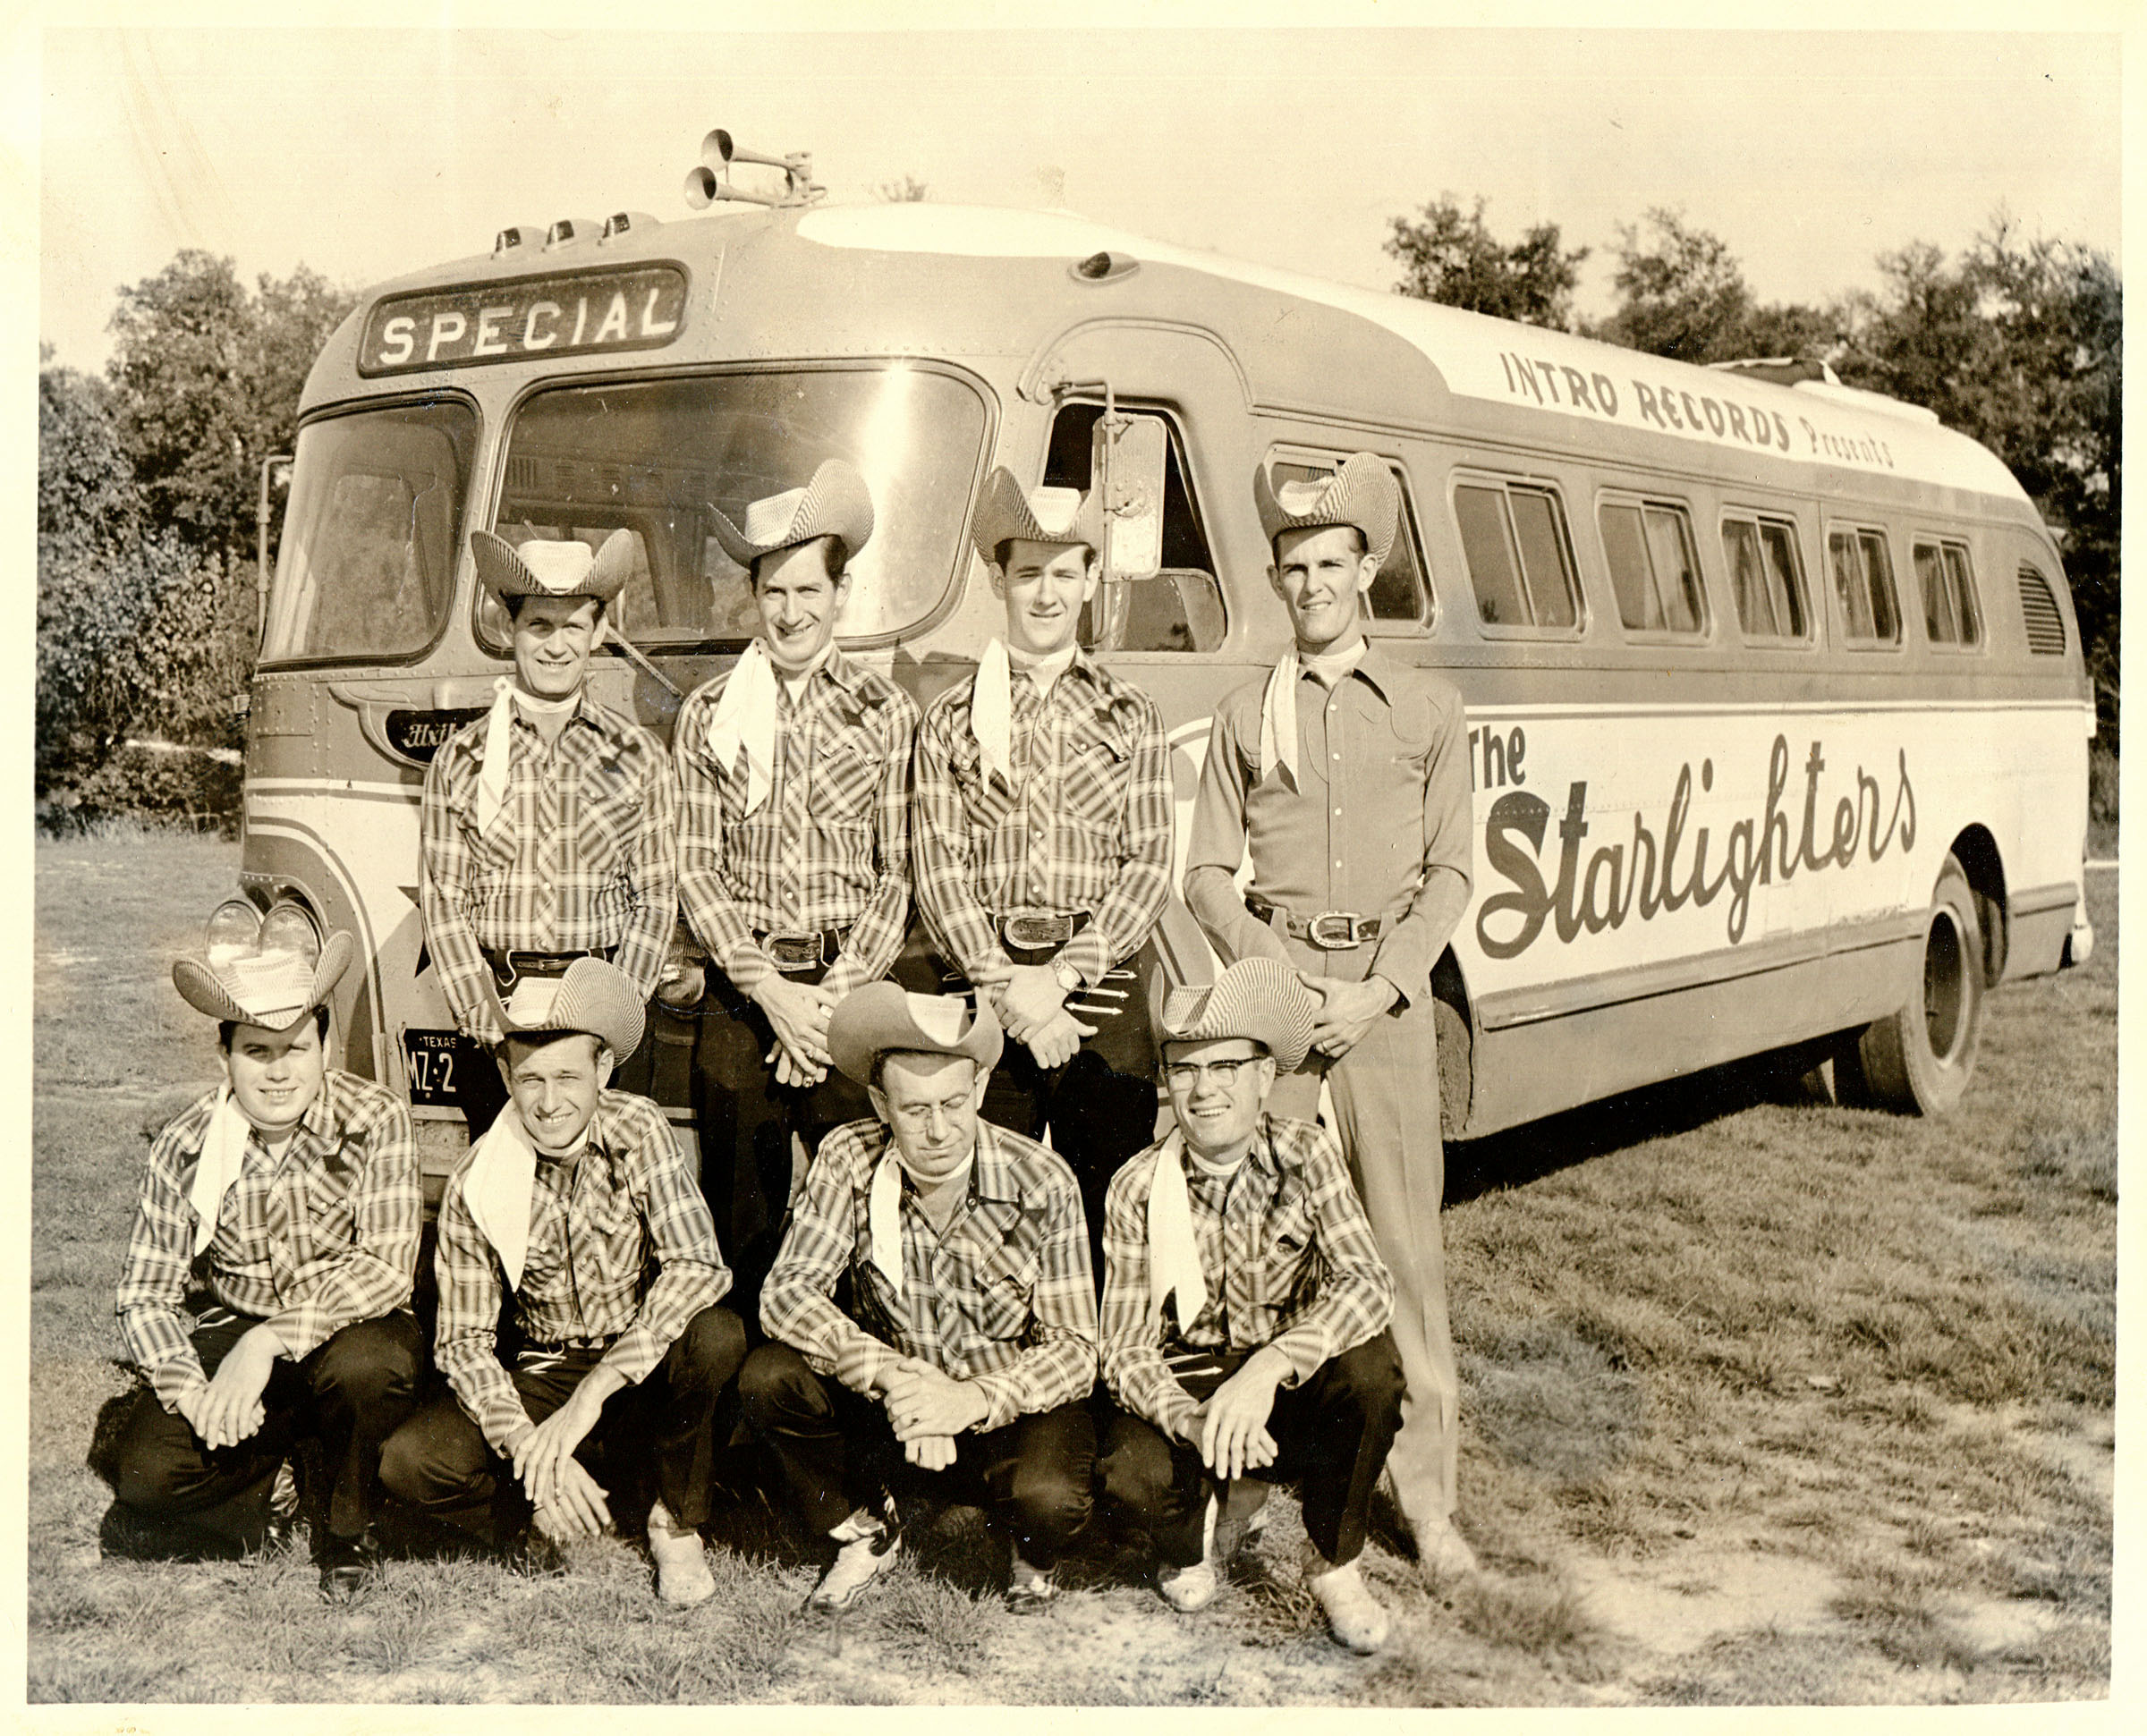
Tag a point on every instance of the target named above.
point(1765, 1401)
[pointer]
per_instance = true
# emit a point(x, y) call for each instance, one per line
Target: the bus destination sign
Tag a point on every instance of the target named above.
point(576, 313)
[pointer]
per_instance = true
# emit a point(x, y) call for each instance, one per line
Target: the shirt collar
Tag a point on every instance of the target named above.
point(1376, 667)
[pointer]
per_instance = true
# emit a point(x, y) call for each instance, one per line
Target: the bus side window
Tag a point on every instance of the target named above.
point(1766, 577)
point(1400, 592)
point(1864, 584)
point(1181, 609)
point(1653, 568)
point(1949, 587)
point(1512, 536)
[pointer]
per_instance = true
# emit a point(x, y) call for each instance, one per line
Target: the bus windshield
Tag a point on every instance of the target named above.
point(366, 568)
point(659, 458)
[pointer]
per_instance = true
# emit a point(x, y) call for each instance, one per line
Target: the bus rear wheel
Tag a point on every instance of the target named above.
point(1919, 1061)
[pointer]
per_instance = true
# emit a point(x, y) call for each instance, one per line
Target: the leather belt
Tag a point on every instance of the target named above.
point(509, 964)
point(791, 954)
point(1332, 931)
point(1037, 931)
point(602, 1342)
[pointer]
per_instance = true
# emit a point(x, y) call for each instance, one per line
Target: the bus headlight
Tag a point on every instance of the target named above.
point(290, 928)
point(233, 931)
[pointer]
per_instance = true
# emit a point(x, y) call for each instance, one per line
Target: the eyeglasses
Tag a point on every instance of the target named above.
point(1183, 1075)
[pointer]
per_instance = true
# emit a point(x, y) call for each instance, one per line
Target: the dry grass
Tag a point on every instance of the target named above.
point(1764, 1402)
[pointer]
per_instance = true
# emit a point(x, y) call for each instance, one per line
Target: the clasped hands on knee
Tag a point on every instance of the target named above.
point(928, 1408)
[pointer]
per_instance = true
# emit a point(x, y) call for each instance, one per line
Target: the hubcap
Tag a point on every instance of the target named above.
point(1944, 986)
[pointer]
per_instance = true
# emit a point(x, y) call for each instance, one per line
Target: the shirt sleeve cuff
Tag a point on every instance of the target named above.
point(632, 1354)
point(180, 1379)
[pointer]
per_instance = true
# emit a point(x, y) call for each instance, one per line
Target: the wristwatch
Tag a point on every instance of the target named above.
point(1069, 978)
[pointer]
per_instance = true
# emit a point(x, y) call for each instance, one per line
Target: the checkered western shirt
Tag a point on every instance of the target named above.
point(320, 1240)
point(1286, 1253)
point(1005, 1301)
point(1086, 825)
point(829, 848)
point(582, 854)
point(594, 1233)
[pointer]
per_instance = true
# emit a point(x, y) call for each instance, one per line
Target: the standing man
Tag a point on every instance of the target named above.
point(549, 824)
point(932, 1304)
point(292, 1190)
point(577, 1202)
point(1245, 1308)
point(793, 853)
point(1345, 774)
point(1042, 842)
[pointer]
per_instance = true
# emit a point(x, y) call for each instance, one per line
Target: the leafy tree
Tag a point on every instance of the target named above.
point(1682, 293)
point(1451, 257)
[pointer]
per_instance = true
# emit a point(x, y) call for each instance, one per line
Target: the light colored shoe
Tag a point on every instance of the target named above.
point(682, 1577)
point(1189, 1588)
point(1444, 1554)
point(1029, 1589)
point(1353, 1616)
point(869, 1548)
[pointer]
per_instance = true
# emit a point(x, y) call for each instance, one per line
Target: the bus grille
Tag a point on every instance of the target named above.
point(2039, 609)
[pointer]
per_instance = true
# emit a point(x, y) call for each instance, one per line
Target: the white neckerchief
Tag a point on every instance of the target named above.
point(1043, 672)
point(497, 1187)
point(499, 733)
point(883, 1210)
point(1173, 1253)
point(1278, 704)
point(746, 712)
point(991, 699)
point(223, 1156)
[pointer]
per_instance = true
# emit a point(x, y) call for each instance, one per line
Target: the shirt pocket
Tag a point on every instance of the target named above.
point(1005, 1290)
point(845, 784)
point(1094, 785)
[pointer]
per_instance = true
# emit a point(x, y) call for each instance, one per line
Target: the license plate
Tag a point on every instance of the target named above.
point(429, 1057)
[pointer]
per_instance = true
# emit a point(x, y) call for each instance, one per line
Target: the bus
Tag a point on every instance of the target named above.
point(1777, 718)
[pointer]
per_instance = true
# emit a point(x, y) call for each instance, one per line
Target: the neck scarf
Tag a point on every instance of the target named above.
point(1174, 1256)
point(746, 714)
point(499, 733)
point(497, 1187)
point(883, 1210)
point(1278, 704)
point(223, 1155)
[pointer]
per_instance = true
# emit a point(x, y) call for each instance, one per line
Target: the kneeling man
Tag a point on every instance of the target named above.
point(572, 1200)
point(291, 1190)
point(965, 1340)
point(1245, 1307)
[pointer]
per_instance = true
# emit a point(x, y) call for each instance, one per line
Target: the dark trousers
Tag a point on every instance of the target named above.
point(350, 1393)
point(1035, 1477)
point(439, 1461)
point(1331, 1434)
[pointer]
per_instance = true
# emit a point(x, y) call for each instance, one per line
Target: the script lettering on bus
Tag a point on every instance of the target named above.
point(623, 308)
point(1672, 409)
point(1657, 872)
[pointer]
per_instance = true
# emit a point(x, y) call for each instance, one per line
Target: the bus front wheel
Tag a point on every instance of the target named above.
point(1919, 1061)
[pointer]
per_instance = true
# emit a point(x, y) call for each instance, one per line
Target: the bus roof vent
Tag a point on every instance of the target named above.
point(2039, 610)
point(570, 231)
point(1105, 267)
point(518, 238)
point(624, 222)
point(1779, 370)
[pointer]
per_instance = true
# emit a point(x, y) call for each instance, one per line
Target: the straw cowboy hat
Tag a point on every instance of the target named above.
point(592, 995)
point(1259, 999)
point(1362, 493)
point(1038, 515)
point(882, 1016)
point(548, 569)
point(271, 990)
point(834, 504)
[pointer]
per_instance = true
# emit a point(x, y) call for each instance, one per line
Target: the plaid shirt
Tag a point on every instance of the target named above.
point(1086, 827)
point(1286, 1252)
point(1005, 1301)
point(583, 854)
point(322, 1240)
point(829, 848)
point(593, 1233)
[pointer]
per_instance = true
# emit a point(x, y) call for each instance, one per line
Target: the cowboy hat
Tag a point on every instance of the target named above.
point(592, 995)
point(1362, 493)
point(1259, 999)
point(870, 1021)
point(271, 990)
point(1038, 515)
point(538, 568)
point(834, 504)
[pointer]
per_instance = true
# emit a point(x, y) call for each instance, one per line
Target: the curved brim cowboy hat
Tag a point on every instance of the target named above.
point(538, 568)
point(1037, 515)
point(272, 991)
point(591, 996)
point(1259, 999)
point(1362, 493)
point(834, 504)
point(870, 1021)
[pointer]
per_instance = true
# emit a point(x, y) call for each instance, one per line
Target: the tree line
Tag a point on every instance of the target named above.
point(148, 475)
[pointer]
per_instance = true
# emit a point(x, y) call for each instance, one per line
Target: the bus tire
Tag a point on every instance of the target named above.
point(1919, 1061)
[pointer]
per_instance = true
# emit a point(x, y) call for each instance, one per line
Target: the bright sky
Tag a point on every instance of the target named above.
point(368, 153)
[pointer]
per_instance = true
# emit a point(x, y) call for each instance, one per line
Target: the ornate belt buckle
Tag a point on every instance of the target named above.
point(1034, 930)
point(793, 952)
point(1336, 931)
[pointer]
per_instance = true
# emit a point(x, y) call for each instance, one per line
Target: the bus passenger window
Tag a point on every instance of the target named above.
point(1942, 575)
point(1653, 568)
point(1863, 585)
point(1766, 577)
point(1399, 592)
point(1514, 538)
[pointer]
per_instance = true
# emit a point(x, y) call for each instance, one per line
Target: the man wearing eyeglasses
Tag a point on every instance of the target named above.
point(1243, 1328)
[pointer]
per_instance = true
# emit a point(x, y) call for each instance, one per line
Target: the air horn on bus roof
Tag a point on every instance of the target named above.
point(708, 180)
